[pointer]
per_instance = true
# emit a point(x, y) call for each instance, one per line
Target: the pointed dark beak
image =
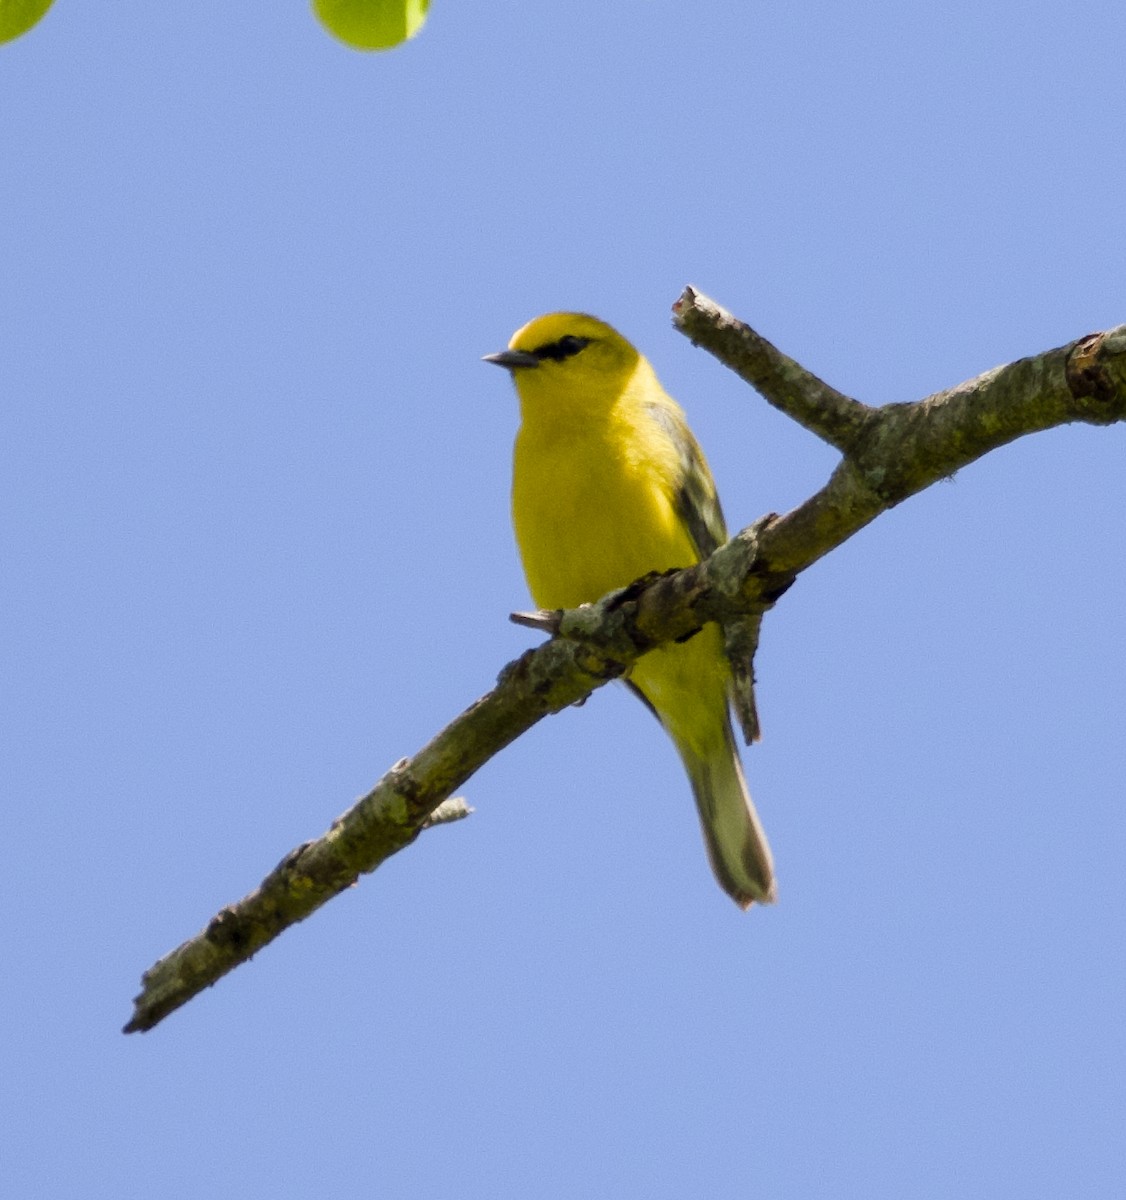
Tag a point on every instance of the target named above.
point(512, 360)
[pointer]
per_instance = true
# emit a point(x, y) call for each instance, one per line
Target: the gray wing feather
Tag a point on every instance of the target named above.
point(696, 501)
point(697, 505)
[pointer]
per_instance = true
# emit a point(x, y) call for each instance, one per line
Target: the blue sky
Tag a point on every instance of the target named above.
point(257, 548)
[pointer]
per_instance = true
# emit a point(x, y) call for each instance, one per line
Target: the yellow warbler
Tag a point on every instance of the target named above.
point(609, 484)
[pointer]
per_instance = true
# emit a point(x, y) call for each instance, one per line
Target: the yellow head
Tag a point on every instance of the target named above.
point(569, 359)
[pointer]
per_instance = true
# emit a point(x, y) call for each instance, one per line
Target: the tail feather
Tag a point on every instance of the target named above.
point(737, 846)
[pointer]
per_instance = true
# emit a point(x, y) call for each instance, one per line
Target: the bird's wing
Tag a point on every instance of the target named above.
point(697, 505)
point(694, 498)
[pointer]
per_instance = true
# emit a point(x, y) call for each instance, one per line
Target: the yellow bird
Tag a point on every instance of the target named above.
point(608, 485)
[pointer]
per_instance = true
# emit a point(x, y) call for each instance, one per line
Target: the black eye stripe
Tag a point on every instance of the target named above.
point(565, 347)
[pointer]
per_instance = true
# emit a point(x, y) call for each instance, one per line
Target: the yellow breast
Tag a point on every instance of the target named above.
point(591, 512)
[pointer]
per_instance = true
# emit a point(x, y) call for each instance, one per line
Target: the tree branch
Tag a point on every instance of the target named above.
point(889, 453)
point(785, 384)
point(899, 449)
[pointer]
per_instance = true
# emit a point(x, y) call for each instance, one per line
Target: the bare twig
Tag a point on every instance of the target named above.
point(456, 808)
point(782, 382)
point(546, 620)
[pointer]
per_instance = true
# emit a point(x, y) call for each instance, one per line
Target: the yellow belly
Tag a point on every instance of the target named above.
point(583, 532)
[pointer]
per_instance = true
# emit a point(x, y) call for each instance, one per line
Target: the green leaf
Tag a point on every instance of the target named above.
point(371, 24)
point(18, 16)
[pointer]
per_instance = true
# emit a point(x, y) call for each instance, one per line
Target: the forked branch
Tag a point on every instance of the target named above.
point(888, 454)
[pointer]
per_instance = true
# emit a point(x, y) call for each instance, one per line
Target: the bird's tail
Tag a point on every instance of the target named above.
point(737, 846)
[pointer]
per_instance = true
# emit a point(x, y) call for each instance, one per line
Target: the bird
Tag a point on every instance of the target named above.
point(610, 485)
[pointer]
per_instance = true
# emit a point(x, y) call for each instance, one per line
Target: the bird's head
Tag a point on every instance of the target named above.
point(568, 357)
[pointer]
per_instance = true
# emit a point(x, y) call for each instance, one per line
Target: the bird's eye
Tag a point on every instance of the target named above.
point(565, 347)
